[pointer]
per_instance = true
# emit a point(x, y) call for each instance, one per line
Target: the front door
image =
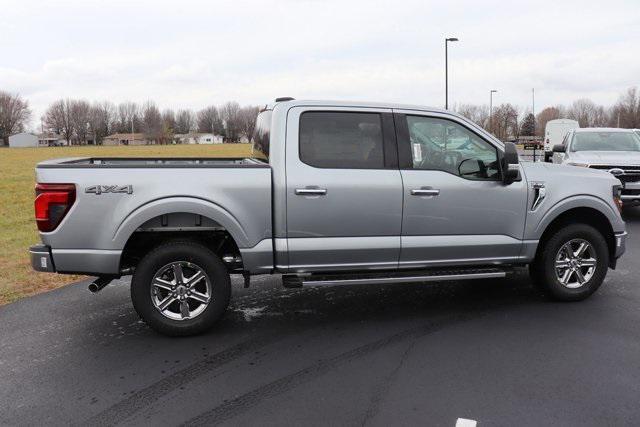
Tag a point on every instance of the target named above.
point(457, 211)
point(344, 190)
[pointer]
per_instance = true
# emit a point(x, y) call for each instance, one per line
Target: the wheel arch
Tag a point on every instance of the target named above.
point(580, 215)
point(175, 205)
point(180, 219)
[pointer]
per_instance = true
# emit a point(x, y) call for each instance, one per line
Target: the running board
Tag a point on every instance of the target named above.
point(296, 281)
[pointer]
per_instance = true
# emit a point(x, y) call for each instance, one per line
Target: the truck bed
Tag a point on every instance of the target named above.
point(230, 194)
point(151, 162)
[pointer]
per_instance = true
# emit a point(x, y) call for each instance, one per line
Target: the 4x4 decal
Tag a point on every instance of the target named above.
point(101, 189)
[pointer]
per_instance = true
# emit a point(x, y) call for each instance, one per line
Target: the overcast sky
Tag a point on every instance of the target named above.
point(194, 53)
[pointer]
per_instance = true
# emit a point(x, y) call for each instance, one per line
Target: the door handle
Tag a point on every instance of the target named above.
point(311, 191)
point(425, 192)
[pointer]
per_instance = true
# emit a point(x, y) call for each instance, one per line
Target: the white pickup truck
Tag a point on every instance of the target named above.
point(335, 193)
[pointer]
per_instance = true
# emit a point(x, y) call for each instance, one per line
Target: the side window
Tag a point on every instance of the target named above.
point(341, 140)
point(439, 144)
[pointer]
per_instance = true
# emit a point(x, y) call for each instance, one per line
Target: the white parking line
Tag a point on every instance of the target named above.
point(463, 422)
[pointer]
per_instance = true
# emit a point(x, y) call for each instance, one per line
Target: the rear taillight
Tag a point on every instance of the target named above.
point(53, 201)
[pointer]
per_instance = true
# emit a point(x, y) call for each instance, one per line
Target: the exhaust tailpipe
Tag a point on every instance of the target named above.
point(99, 283)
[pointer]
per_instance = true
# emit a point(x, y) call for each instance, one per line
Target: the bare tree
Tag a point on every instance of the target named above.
point(601, 116)
point(169, 120)
point(128, 118)
point(185, 121)
point(209, 121)
point(505, 121)
point(587, 113)
point(230, 114)
point(479, 114)
point(14, 115)
point(102, 119)
point(80, 114)
point(626, 112)
point(152, 122)
point(247, 120)
point(547, 114)
point(58, 119)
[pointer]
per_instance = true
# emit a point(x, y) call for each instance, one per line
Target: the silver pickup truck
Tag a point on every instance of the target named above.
point(335, 193)
point(616, 151)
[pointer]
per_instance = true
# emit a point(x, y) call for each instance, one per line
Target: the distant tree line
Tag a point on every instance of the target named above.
point(77, 121)
point(509, 121)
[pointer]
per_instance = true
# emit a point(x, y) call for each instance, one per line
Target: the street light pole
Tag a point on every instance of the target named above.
point(533, 109)
point(491, 109)
point(446, 70)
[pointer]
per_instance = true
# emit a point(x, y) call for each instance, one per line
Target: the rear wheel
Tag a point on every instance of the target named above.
point(572, 264)
point(180, 288)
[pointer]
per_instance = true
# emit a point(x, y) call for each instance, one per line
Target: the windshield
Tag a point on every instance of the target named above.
point(605, 141)
point(260, 138)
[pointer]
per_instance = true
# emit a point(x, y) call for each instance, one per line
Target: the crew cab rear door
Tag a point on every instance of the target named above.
point(457, 211)
point(344, 190)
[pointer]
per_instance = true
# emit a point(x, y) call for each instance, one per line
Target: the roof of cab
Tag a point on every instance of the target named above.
point(362, 104)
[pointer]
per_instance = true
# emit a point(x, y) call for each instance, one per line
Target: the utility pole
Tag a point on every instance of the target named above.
point(533, 114)
point(533, 109)
point(491, 92)
point(446, 70)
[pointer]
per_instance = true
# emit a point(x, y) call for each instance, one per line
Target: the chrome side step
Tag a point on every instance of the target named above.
point(295, 281)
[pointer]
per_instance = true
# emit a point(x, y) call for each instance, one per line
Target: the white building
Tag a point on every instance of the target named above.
point(23, 139)
point(198, 138)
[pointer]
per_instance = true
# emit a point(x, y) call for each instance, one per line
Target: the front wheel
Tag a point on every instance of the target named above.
point(180, 288)
point(572, 264)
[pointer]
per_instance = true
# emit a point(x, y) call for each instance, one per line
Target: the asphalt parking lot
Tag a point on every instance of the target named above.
point(416, 354)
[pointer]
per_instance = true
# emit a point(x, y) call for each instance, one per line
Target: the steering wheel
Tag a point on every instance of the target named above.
point(451, 159)
point(465, 145)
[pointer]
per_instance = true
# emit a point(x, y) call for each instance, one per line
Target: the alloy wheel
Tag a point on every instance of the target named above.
point(181, 290)
point(575, 263)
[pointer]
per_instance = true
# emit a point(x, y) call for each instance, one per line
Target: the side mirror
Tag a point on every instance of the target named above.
point(510, 163)
point(559, 148)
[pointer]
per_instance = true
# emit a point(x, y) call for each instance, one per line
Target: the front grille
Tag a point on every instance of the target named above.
point(630, 168)
point(629, 178)
point(631, 172)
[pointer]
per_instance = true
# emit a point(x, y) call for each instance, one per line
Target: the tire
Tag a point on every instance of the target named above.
point(547, 157)
point(205, 288)
point(560, 250)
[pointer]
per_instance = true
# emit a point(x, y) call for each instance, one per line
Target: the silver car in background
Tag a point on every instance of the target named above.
point(614, 150)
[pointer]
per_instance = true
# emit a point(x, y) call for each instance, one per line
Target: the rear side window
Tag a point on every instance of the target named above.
point(261, 134)
point(341, 140)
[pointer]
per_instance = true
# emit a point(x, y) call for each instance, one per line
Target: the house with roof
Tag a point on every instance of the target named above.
point(51, 140)
point(126, 139)
point(197, 138)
